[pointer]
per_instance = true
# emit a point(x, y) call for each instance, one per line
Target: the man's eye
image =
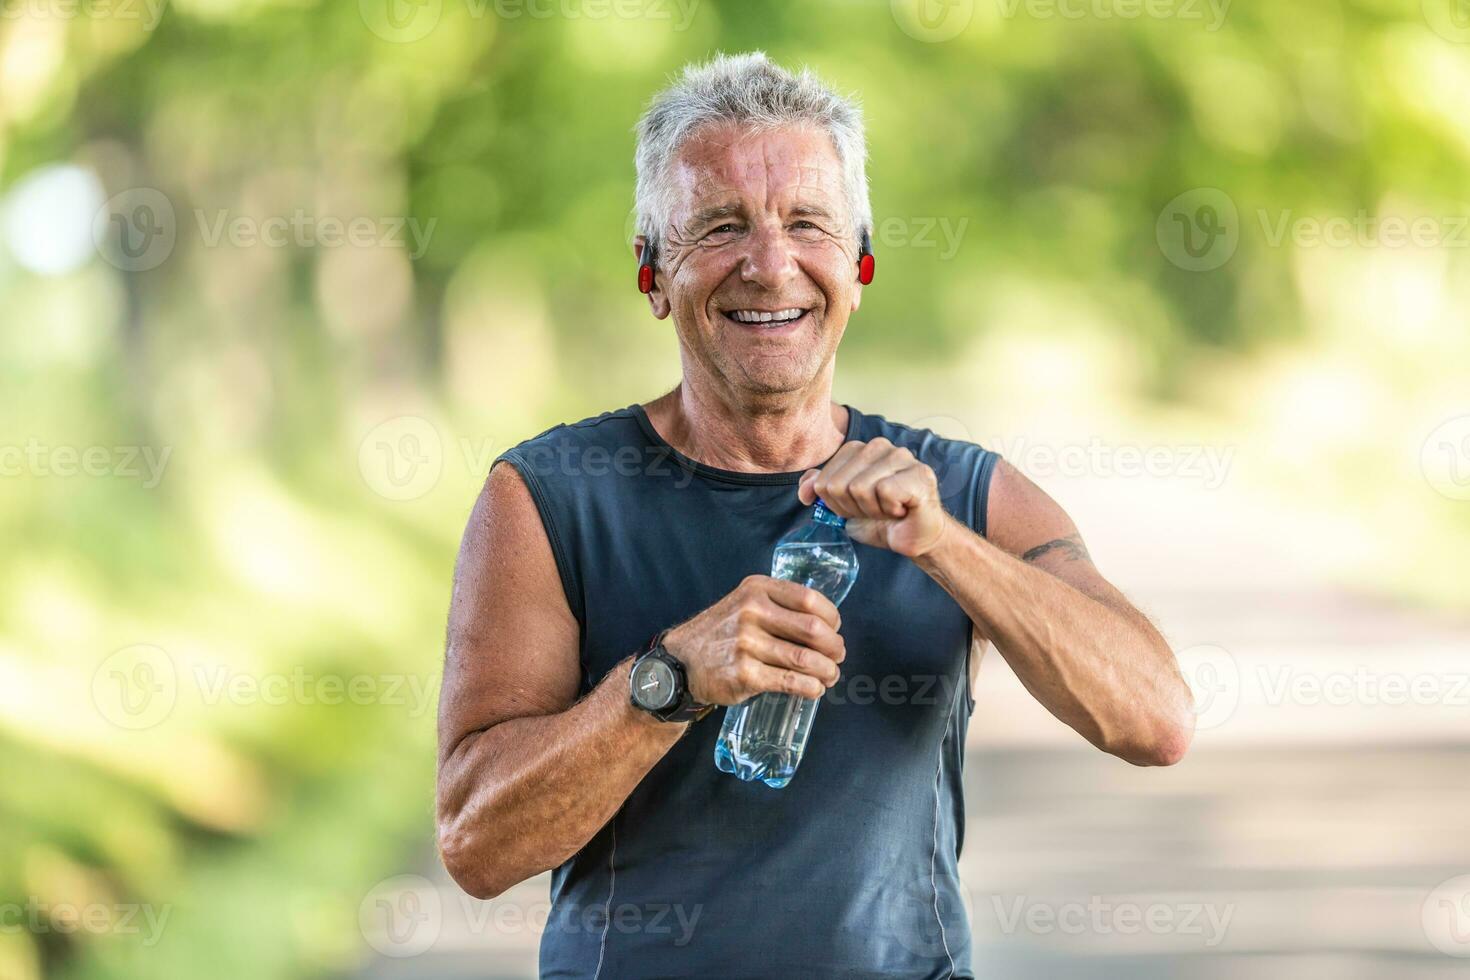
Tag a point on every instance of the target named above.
point(723, 229)
point(805, 226)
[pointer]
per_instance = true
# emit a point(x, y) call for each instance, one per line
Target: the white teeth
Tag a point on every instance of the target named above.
point(758, 316)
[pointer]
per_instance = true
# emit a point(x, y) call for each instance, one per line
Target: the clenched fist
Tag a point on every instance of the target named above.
point(890, 499)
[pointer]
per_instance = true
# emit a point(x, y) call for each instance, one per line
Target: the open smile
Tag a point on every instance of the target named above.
point(767, 321)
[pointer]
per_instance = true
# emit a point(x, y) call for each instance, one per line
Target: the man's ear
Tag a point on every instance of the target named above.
point(857, 298)
point(658, 301)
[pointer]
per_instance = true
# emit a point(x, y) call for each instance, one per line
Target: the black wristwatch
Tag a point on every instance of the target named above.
point(658, 685)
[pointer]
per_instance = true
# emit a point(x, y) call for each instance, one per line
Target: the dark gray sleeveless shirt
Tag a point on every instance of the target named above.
point(850, 871)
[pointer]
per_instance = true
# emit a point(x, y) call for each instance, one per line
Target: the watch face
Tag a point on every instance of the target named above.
point(654, 684)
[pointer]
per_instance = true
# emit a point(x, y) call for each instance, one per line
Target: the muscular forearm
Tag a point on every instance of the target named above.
point(528, 793)
point(1103, 670)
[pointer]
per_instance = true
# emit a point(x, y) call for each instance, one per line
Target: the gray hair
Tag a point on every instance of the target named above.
point(750, 90)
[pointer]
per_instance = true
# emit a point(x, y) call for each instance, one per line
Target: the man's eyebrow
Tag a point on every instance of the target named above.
point(813, 210)
point(810, 211)
point(706, 215)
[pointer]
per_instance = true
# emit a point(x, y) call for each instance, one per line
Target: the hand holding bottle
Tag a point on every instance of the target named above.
point(767, 634)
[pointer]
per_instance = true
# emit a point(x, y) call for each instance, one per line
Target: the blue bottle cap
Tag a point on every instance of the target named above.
point(821, 513)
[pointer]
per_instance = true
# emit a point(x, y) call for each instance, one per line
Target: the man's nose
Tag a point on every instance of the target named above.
point(769, 261)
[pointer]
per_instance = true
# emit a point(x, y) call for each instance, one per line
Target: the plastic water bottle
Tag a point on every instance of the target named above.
point(763, 738)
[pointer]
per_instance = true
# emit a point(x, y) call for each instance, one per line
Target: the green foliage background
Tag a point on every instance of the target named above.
point(1056, 140)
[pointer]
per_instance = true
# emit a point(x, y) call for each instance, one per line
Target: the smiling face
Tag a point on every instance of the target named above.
point(759, 262)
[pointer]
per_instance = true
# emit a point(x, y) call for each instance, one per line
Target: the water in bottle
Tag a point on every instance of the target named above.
point(763, 737)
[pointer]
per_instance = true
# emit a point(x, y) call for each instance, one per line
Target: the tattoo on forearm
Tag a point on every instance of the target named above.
point(1071, 548)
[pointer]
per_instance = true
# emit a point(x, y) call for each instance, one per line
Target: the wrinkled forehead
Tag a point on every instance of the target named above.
point(761, 170)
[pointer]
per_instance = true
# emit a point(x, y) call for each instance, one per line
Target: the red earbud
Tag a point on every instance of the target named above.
point(866, 262)
point(645, 268)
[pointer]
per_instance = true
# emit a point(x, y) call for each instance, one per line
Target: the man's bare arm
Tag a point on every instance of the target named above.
point(527, 774)
point(1073, 640)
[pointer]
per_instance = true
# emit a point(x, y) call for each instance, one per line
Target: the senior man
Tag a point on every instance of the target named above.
point(643, 532)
